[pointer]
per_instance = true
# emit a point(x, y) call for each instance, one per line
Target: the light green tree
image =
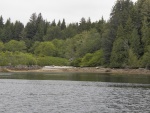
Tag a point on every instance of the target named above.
point(14, 45)
point(132, 59)
point(45, 49)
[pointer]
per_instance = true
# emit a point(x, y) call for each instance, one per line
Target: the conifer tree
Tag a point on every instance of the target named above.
point(18, 28)
point(63, 25)
point(59, 23)
point(53, 23)
point(7, 33)
point(145, 33)
point(1, 22)
point(119, 53)
point(136, 43)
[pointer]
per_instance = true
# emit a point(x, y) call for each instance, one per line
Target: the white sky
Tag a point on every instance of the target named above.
point(70, 10)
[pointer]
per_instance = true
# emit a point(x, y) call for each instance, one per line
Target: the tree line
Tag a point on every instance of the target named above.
point(121, 42)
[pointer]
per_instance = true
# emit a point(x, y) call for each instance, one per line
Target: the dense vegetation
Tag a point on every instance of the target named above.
point(123, 41)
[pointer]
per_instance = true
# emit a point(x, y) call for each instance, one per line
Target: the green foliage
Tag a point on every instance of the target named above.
point(132, 59)
point(63, 25)
point(76, 62)
point(19, 58)
point(146, 33)
point(17, 30)
point(136, 43)
point(45, 49)
point(95, 59)
point(34, 46)
point(86, 42)
point(86, 59)
point(53, 32)
point(70, 31)
point(7, 33)
point(16, 58)
point(14, 45)
point(145, 60)
point(60, 47)
point(1, 46)
point(119, 54)
point(44, 61)
point(1, 22)
point(36, 28)
point(120, 42)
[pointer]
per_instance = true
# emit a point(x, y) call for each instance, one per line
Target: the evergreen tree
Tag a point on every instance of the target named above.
point(89, 24)
point(63, 25)
point(18, 28)
point(40, 25)
point(53, 32)
point(128, 29)
point(53, 23)
point(31, 27)
point(82, 25)
point(119, 16)
point(132, 59)
point(119, 53)
point(146, 10)
point(1, 22)
point(7, 33)
point(59, 23)
point(146, 34)
point(145, 59)
point(136, 43)
point(1, 27)
point(70, 31)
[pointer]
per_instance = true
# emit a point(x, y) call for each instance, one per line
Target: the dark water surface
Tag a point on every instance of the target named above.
point(74, 93)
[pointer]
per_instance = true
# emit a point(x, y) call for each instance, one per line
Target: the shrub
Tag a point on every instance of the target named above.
point(43, 61)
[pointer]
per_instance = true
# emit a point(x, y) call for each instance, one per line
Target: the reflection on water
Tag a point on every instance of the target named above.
point(143, 79)
point(74, 93)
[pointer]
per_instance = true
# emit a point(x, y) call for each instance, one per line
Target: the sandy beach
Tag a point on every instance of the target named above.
point(81, 70)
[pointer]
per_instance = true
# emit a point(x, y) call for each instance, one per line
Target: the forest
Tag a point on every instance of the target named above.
point(121, 42)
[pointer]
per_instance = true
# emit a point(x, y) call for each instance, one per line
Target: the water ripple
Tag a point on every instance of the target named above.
point(37, 96)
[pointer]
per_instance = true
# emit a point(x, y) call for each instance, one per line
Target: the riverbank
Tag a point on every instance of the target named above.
point(95, 70)
point(60, 69)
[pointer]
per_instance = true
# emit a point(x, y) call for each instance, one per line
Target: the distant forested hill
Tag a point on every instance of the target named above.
point(121, 42)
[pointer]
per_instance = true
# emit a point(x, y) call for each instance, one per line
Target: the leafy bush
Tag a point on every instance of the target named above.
point(145, 60)
point(45, 49)
point(16, 58)
point(95, 59)
point(14, 45)
point(43, 61)
point(76, 62)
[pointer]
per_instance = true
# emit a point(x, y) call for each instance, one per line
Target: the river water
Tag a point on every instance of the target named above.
point(74, 93)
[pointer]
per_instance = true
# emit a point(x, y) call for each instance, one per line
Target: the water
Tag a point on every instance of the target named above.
point(74, 93)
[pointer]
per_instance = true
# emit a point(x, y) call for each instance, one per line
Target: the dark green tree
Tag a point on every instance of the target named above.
point(82, 25)
point(119, 16)
point(63, 25)
point(1, 27)
point(53, 32)
point(1, 22)
point(136, 43)
point(7, 33)
point(18, 29)
point(119, 53)
point(59, 23)
point(146, 33)
point(53, 23)
point(31, 27)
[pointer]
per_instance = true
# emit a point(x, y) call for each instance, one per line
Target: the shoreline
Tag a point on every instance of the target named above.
point(59, 69)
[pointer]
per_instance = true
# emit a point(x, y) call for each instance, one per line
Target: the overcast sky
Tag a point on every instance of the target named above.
point(71, 10)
